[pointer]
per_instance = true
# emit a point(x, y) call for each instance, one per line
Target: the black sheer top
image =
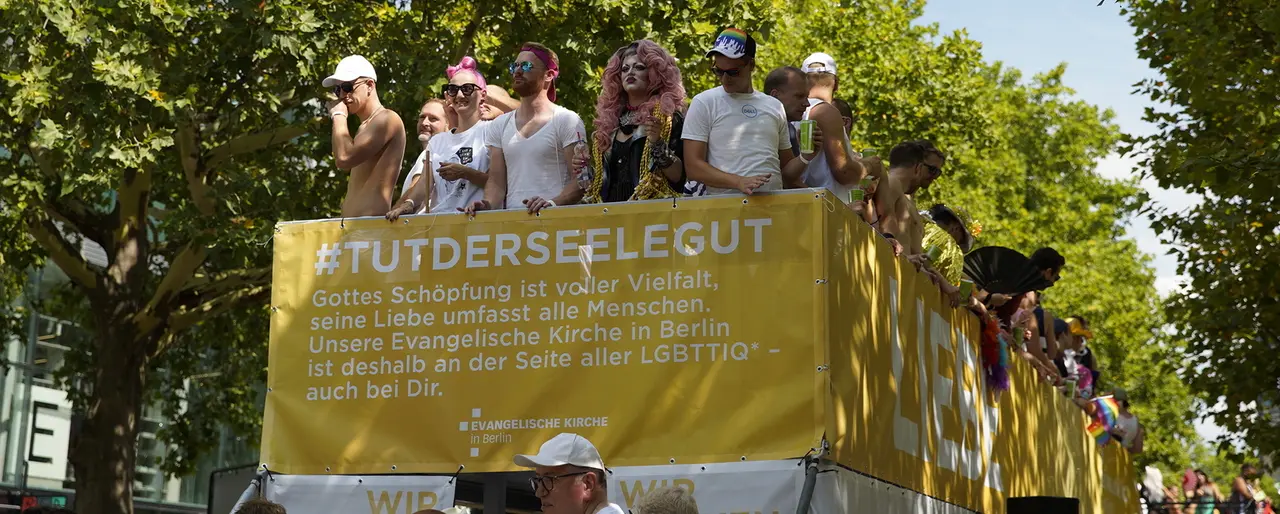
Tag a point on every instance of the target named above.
point(622, 162)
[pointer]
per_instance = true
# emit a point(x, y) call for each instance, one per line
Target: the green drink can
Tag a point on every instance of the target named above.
point(966, 288)
point(806, 136)
point(856, 195)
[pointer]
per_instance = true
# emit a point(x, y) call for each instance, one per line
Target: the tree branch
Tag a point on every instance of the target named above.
point(181, 270)
point(189, 155)
point(130, 237)
point(188, 318)
point(468, 39)
point(253, 143)
point(204, 288)
point(63, 252)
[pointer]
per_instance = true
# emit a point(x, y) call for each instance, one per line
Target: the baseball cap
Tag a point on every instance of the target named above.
point(563, 449)
point(734, 43)
point(819, 62)
point(1119, 394)
point(350, 68)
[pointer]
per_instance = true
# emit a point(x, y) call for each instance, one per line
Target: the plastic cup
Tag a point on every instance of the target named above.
point(806, 136)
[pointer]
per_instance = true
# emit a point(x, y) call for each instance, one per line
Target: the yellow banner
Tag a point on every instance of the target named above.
point(909, 405)
point(663, 332)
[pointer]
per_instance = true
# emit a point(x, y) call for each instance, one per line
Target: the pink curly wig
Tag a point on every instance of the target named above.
point(667, 89)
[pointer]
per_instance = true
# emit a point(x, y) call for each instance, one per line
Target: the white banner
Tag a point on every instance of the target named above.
point(351, 494)
point(840, 491)
point(757, 487)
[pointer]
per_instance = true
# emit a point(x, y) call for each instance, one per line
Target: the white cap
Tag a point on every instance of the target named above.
point(819, 63)
point(350, 68)
point(564, 449)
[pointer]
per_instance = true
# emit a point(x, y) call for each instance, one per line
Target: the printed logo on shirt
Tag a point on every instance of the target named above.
point(750, 111)
point(464, 155)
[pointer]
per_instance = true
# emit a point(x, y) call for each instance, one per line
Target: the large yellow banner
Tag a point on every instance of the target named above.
point(909, 406)
point(663, 332)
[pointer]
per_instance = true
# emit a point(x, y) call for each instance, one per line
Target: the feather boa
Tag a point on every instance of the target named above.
point(995, 356)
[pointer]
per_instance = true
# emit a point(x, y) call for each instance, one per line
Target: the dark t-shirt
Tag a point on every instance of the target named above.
point(622, 164)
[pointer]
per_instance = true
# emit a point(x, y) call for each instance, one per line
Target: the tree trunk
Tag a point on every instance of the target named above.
point(105, 455)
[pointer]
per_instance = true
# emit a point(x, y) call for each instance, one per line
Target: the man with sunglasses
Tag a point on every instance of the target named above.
point(531, 148)
point(569, 477)
point(913, 165)
point(736, 138)
point(374, 155)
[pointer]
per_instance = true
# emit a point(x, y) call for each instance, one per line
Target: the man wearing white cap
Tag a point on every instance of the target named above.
point(569, 477)
point(837, 167)
point(375, 154)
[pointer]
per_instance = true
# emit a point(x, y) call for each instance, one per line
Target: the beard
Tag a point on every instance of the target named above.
point(525, 88)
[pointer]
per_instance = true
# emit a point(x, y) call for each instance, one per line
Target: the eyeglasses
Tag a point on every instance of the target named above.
point(720, 73)
point(548, 482)
point(346, 87)
point(523, 66)
point(466, 89)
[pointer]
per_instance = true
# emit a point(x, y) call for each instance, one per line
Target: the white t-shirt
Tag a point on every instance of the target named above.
point(1130, 426)
point(465, 148)
point(743, 131)
point(408, 180)
point(535, 165)
point(818, 172)
point(611, 508)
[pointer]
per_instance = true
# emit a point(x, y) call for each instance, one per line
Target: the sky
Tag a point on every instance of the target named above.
point(1098, 46)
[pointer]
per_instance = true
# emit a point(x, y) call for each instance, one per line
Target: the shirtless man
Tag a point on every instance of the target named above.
point(373, 157)
point(913, 165)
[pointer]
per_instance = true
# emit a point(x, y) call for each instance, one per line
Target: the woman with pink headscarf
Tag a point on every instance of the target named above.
point(638, 126)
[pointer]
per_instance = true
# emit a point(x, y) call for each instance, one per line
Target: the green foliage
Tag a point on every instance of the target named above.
point(1218, 135)
point(196, 126)
point(1021, 158)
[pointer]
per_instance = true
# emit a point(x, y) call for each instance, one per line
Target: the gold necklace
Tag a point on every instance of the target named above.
point(371, 116)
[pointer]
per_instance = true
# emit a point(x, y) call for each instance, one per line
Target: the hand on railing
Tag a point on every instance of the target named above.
point(476, 206)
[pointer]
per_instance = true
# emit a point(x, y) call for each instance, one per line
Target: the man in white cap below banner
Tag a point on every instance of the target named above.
point(837, 167)
point(374, 155)
point(569, 477)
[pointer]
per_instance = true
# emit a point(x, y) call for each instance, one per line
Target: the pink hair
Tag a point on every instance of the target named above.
point(666, 87)
point(466, 64)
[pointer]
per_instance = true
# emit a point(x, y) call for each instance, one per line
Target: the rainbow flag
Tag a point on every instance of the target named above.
point(1105, 416)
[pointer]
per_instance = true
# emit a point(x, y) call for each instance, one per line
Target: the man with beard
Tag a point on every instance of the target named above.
point(531, 148)
point(569, 477)
point(373, 157)
point(913, 165)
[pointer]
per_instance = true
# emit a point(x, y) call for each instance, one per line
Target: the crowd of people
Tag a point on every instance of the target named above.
point(484, 149)
point(1199, 494)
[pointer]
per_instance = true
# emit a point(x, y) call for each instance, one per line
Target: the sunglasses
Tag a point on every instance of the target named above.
point(523, 66)
point(466, 89)
point(720, 73)
point(934, 171)
point(347, 87)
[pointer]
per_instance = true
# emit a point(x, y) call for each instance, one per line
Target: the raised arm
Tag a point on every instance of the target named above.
point(835, 146)
point(349, 153)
